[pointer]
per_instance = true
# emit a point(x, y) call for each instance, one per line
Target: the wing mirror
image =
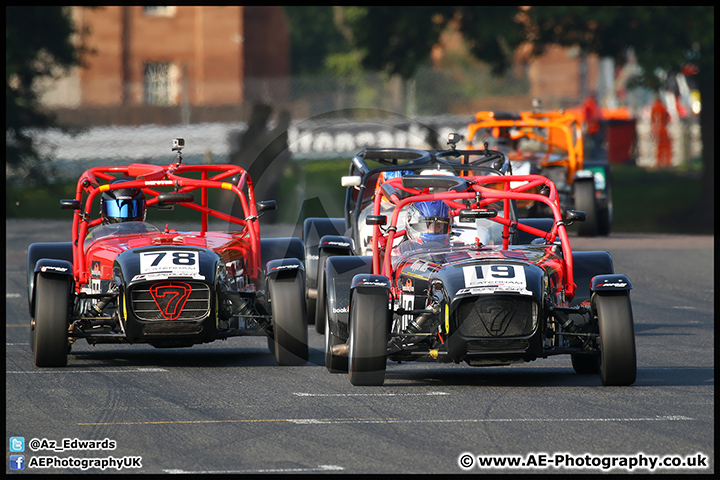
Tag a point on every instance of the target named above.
point(351, 181)
point(70, 204)
point(376, 220)
point(266, 206)
point(574, 216)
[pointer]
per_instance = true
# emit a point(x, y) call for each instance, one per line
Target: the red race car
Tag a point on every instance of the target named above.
point(427, 293)
point(123, 280)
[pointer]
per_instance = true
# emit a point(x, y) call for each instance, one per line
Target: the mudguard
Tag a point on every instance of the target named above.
point(614, 282)
point(314, 229)
point(586, 266)
point(284, 267)
point(36, 251)
point(284, 247)
point(48, 265)
point(339, 274)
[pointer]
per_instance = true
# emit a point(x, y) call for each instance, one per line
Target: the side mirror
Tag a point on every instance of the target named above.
point(470, 214)
point(574, 216)
point(266, 206)
point(70, 204)
point(351, 181)
point(376, 220)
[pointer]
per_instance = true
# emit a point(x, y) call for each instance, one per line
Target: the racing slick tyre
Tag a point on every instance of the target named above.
point(333, 363)
point(586, 202)
point(49, 331)
point(321, 302)
point(618, 363)
point(585, 363)
point(369, 314)
point(290, 321)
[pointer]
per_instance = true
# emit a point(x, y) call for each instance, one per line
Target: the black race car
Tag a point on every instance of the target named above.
point(483, 302)
point(369, 169)
point(123, 280)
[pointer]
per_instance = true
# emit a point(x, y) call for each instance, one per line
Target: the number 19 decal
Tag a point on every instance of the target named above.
point(485, 275)
point(174, 262)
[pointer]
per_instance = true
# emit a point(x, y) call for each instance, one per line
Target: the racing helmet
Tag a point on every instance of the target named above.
point(123, 205)
point(428, 222)
point(387, 175)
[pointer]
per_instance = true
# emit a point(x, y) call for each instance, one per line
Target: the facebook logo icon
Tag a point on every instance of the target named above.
point(17, 462)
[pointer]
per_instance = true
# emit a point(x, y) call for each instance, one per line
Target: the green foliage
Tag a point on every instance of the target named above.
point(39, 45)
point(314, 37)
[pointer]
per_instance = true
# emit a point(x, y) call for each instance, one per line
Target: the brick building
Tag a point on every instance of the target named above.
point(165, 56)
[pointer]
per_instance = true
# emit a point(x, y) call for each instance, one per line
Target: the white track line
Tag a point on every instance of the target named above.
point(99, 370)
point(301, 394)
point(319, 468)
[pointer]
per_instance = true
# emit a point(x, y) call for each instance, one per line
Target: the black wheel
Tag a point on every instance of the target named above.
point(321, 302)
point(369, 316)
point(585, 363)
point(290, 321)
point(585, 201)
point(333, 363)
point(618, 364)
point(49, 331)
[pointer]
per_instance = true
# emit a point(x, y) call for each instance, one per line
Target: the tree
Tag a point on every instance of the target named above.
point(399, 39)
point(39, 45)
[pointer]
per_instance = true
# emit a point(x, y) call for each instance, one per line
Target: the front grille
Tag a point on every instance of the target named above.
point(496, 316)
point(171, 300)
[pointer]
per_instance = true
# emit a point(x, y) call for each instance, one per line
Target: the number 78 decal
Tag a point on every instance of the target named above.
point(176, 262)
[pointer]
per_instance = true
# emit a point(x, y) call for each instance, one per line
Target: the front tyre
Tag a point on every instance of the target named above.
point(369, 331)
point(618, 363)
point(49, 331)
point(290, 321)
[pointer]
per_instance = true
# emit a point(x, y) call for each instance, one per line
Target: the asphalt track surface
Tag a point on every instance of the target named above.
point(225, 407)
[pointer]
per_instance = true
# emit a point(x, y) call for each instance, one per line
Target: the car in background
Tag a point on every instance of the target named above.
point(131, 282)
point(486, 304)
point(550, 143)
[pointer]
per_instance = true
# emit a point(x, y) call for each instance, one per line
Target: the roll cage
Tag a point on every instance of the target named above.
point(163, 186)
point(479, 193)
point(461, 162)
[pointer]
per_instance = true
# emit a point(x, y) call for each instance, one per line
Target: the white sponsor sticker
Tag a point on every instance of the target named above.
point(495, 278)
point(174, 262)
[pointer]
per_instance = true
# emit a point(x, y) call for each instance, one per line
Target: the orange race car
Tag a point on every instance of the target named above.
point(550, 143)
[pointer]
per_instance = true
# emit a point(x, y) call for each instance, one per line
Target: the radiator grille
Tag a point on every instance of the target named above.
point(169, 301)
point(496, 316)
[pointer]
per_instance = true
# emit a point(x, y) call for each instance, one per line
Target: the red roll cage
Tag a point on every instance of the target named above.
point(151, 177)
point(477, 187)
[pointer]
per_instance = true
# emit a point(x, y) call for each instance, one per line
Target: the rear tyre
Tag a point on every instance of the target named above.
point(321, 302)
point(618, 363)
point(290, 321)
point(49, 331)
point(369, 315)
point(333, 363)
point(585, 201)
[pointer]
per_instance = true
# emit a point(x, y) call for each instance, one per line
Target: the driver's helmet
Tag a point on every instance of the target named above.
point(387, 175)
point(428, 222)
point(122, 205)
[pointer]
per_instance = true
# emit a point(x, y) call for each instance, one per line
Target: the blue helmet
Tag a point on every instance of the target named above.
point(123, 205)
point(387, 175)
point(428, 222)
